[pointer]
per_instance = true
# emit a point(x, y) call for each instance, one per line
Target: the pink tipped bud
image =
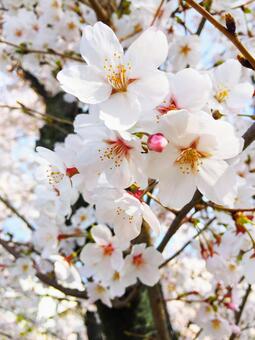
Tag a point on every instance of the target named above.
point(157, 142)
point(231, 306)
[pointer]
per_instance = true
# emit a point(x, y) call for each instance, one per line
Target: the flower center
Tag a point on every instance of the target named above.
point(18, 33)
point(100, 289)
point(108, 249)
point(117, 75)
point(222, 95)
point(25, 268)
point(116, 276)
point(116, 151)
point(165, 107)
point(185, 49)
point(190, 159)
point(54, 175)
point(216, 324)
point(138, 260)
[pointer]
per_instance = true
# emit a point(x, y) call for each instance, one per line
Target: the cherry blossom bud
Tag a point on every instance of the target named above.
point(157, 142)
point(231, 306)
point(230, 23)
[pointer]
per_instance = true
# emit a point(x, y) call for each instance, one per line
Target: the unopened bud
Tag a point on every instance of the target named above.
point(230, 23)
point(217, 114)
point(244, 62)
point(231, 306)
point(157, 142)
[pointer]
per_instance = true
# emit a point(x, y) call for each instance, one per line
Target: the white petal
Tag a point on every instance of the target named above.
point(52, 157)
point(101, 234)
point(153, 256)
point(209, 173)
point(191, 89)
point(150, 89)
point(117, 260)
point(85, 83)
point(121, 111)
point(151, 218)
point(98, 43)
point(147, 52)
point(228, 73)
point(240, 96)
point(176, 189)
point(90, 254)
point(148, 275)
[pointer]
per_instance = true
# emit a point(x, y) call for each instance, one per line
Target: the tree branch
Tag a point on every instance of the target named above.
point(187, 243)
point(15, 211)
point(239, 313)
point(232, 37)
point(50, 281)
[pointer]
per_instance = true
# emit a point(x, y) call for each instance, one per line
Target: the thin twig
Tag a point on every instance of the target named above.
point(44, 116)
point(25, 50)
point(157, 13)
point(188, 243)
point(239, 313)
point(178, 220)
point(50, 281)
point(232, 37)
point(7, 203)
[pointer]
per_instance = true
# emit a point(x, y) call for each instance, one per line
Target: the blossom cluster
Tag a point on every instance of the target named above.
point(155, 125)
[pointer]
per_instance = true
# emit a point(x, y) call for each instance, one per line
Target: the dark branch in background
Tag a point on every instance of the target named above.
point(201, 26)
point(34, 82)
point(178, 219)
point(249, 137)
point(231, 36)
point(15, 211)
point(188, 242)
point(44, 278)
point(23, 49)
point(238, 314)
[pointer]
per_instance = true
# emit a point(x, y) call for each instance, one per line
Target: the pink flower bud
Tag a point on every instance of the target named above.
point(231, 306)
point(157, 142)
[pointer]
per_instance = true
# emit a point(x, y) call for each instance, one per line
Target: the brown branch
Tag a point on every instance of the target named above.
point(157, 13)
point(100, 11)
point(249, 136)
point(188, 243)
point(15, 211)
point(178, 219)
point(44, 278)
point(44, 116)
point(232, 37)
point(24, 50)
point(238, 314)
point(203, 20)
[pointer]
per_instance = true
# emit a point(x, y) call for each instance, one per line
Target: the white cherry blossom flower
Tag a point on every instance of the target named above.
point(122, 84)
point(124, 212)
point(229, 91)
point(184, 51)
point(115, 155)
point(103, 255)
point(143, 263)
point(194, 157)
point(97, 291)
